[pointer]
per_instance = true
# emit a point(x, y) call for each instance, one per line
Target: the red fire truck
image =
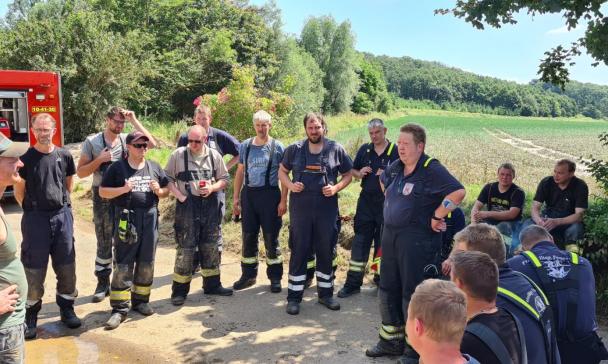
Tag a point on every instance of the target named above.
point(25, 93)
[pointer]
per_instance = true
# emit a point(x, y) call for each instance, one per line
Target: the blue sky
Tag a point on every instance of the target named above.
point(409, 28)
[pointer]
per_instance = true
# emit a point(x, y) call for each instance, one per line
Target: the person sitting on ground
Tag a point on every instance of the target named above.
point(504, 201)
point(568, 281)
point(437, 316)
point(565, 198)
point(492, 333)
point(516, 293)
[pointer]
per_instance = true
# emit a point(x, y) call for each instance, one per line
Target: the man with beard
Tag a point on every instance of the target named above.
point(134, 185)
point(13, 281)
point(315, 164)
point(261, 202)
point(98, 152)
point(47, 224)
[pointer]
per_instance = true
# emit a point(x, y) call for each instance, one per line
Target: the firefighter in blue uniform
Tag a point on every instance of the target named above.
point(371, 160)
point(567, 280)
point(420, 192)
point(517, 293)
point(315, 164)
point(261, 203)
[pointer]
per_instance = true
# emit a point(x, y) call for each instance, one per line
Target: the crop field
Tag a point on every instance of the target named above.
point(473, 145)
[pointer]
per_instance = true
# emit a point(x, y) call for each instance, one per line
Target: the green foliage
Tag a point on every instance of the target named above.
point(98, 68)
point(372, 95)
point(333, 48)
point(233, 107)
point(554, 67)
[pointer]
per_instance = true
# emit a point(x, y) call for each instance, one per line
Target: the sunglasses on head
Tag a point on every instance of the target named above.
point(140, 145)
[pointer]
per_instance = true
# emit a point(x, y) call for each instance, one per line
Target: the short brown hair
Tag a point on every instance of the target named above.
point(113, 111)
point(484, 238)
point(478, 274)
point(507, 166)
point(442, 308)
point(417, 132)
point(567, 162)
point(44, 116)
point(316, 116)
point(533, 234)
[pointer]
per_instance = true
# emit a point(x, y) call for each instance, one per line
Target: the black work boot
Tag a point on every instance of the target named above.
point(219, 291)
point(329, 302)
point(102, 290)
point(348, 291)
point(31, 320)
point(275, 286)
point(293, 307)
point(385, 348)
point(410, 356)
point(66, 311)
point(243, 283)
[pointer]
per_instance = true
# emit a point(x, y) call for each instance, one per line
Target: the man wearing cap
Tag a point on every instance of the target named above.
point(13, 283)
point(197, 173)
point(98, 152)
point(133, 185)
point(47, 224)
point(371, 160)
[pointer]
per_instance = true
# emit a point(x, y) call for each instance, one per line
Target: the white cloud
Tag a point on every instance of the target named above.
point(557, 31)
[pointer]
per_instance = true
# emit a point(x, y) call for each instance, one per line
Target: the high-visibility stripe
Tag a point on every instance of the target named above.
point(334, 263)
point(572, 248)
point(449, 215)
point(181, 279)
point(249, 260)
point(390, 149)
point(323, 275)
point(67, 297)
point(358, 264)
point(426, 164)
point(574, 257)
point(520, 300)
point(277, 260)
point(99, 268)
point(311, 264)
point(533, 258)
point(391, 329)
point(355, 269)
point(391, 332)
point(297, 278)
point(325, 284)
point(120, 295)
point(142, 290)
point(295, 287)
point(210, 272)
point(103, 261)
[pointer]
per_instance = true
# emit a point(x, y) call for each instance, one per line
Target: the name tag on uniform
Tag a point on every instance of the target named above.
point(407, 189)
point(212, 144)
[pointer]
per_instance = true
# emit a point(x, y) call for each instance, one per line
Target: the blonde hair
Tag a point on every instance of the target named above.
point(262, 116)
point(483, 238)
point(44, 116)
point(442, 308)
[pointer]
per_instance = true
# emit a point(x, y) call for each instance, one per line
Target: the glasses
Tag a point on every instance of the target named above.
point(118, 121)
point(195, 141)
point(43, 131)
point(139, 146)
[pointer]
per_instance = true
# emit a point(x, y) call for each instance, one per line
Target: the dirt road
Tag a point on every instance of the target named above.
point(249, 327)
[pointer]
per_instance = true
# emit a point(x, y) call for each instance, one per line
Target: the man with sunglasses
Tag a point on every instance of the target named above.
point(98, 152)
point(134, 186)
point(47, 225)
point(197, 174)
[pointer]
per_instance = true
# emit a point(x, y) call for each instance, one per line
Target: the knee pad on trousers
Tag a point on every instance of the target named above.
point(66, 278)
point(35, 282)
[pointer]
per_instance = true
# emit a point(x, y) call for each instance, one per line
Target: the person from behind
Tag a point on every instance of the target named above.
point(437, 316)
point(492, 334)
point(568, 281)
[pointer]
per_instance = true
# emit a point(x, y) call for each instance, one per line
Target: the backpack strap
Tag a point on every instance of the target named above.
point(270, 158)
point(247, 148)
point(123, 163)
point(491, 340)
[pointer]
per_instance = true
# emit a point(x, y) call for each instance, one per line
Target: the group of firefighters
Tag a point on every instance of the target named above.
point(407, 209)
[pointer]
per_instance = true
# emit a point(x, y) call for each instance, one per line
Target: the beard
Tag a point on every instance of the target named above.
point(315, 139)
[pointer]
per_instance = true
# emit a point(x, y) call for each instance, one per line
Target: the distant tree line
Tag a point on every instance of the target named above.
point(157, 56)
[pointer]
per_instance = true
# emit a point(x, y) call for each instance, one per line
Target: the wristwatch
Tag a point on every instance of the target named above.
point(436, 218)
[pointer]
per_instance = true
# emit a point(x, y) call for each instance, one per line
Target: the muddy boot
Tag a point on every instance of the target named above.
point(102, 290)
point(144, 308)
point(243, 283)
point(31, 320)
point(114, 321)
point(386, 348)
point(66, 312)
point(179, 292)
point(213, 286)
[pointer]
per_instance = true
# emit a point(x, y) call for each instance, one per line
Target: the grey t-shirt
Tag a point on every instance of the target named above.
point(95, 144)
point(257, 163)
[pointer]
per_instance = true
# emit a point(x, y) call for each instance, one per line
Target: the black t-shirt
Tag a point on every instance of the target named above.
point(561, 203)
point(366, 156)
point(45, 179)
point(502, 323)
point(141, 195)
point(497, 201)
